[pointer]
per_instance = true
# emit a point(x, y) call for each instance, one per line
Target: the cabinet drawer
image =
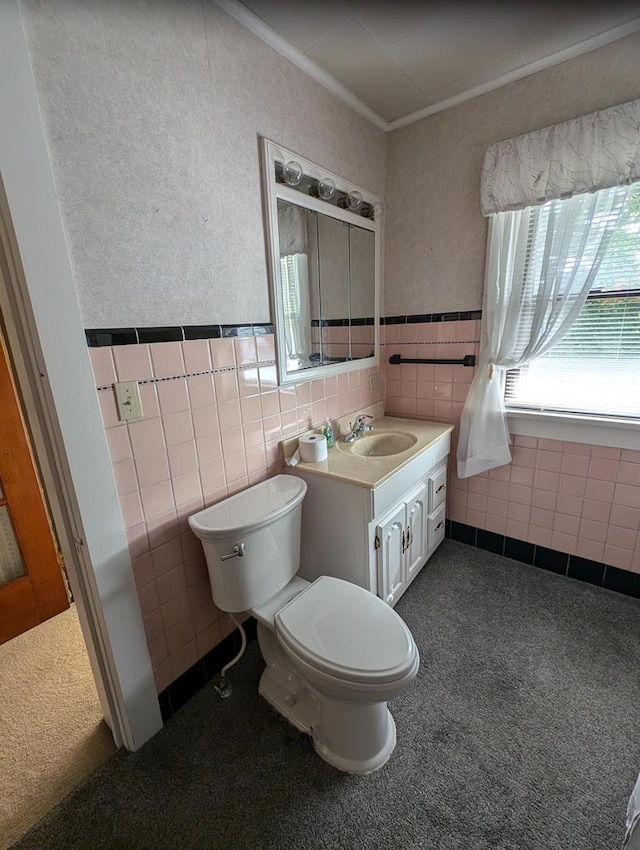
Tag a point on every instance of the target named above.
point(437, 487)
point(436, 527)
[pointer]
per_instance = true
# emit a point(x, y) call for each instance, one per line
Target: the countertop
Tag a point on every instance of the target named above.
point(372, 471)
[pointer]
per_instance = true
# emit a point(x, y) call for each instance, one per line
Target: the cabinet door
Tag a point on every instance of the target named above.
point(417, 530)
point(391, 575)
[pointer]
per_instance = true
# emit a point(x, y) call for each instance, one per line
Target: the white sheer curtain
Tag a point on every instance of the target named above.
point(540, 265)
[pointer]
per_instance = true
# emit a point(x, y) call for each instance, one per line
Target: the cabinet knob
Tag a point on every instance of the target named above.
point(440, 488)
point(439, 525)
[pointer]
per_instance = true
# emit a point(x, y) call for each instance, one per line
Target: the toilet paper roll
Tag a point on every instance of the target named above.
point(313, 448)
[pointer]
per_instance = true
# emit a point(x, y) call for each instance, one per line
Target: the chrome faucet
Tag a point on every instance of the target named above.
point(358, 428)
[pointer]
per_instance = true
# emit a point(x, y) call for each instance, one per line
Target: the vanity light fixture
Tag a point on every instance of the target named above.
point(324, 188)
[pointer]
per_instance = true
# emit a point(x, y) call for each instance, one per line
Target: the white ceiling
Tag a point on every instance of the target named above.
point(398, 60)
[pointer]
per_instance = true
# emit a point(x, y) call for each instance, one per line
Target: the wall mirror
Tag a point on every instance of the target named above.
point(324, 268)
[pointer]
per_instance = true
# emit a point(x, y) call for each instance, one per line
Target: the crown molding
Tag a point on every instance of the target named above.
point(258, 27)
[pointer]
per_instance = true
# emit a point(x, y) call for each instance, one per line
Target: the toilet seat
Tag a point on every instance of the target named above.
point(344, 631)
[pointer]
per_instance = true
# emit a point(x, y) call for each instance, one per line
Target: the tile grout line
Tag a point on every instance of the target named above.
point(217, 371)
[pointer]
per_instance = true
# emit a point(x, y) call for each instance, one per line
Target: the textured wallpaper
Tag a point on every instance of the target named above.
point(152, 110)
point(435, 233)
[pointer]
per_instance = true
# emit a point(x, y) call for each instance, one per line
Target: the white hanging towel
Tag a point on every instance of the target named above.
point(632, 837)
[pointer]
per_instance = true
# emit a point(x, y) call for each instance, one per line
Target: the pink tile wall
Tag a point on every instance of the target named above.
point(214, 417)
point(212, 421)
point(429, 391)
point(580, 499)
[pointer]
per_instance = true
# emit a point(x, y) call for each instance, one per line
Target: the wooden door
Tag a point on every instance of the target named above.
point(32, 587)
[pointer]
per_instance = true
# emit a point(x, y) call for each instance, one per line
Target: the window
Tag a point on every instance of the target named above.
point(595, 368)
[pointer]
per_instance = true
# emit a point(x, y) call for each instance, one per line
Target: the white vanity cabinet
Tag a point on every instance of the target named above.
point(378, 537)
point(407, 536)
point(401, 543)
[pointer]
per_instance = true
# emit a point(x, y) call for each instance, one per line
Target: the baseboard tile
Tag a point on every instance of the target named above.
point(572, 566)
point(203, 671)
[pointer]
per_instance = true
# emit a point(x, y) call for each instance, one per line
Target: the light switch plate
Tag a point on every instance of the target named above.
point(373, 383)
point(128, 400)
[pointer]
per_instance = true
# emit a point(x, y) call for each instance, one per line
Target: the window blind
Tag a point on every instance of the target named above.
point(595, 368)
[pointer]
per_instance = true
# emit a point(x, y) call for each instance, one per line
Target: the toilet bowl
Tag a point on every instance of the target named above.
point(334, 653)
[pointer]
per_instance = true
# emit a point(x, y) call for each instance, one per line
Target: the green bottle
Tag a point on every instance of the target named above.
point(328, 432)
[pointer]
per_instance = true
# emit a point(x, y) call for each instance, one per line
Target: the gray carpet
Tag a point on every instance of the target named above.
point(520, 732)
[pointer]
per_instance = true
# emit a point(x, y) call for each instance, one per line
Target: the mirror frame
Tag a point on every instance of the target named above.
point(274, 191)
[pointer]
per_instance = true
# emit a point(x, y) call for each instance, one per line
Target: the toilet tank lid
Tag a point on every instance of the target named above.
point(250, 509)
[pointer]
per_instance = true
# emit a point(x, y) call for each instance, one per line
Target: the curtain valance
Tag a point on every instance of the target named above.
point(595, 151)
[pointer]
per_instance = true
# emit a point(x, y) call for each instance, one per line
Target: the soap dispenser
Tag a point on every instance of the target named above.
point(328, 432)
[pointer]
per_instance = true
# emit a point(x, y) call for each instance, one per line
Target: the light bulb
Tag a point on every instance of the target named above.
point(326, 188)
point(293, 173)
point(354, 200)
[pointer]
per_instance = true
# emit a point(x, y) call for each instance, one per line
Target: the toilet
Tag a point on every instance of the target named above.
point(335, 654)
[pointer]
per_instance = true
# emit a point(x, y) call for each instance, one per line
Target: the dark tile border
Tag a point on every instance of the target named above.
point(202, 331)
point(203, 671)
point(418, 318)
point(342, 323)
point(490, 541)
point(97, 337)
point(582, 569)
point(622, 581)
point(146, 335)
point(244, 330)
point(518, 550)
point(589, 571)
point(550, 559)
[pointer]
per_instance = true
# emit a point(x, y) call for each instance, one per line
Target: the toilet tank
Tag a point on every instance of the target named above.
point(262, 525)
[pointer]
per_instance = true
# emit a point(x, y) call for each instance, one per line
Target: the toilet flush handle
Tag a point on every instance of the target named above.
point(236, 552)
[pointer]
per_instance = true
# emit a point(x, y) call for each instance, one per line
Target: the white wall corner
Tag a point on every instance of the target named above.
point(103, 565)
